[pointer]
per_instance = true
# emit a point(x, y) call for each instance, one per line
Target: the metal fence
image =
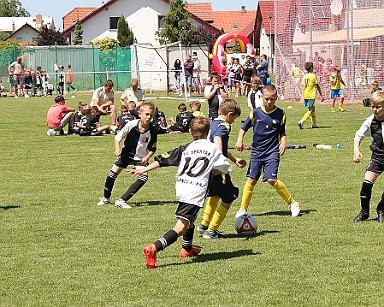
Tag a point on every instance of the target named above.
point(344, 33)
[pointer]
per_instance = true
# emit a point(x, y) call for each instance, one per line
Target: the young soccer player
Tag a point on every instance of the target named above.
point(124, 117)
point(336, 91)
point(89, 123)
point(221, 186)
point(255, 99)
point(310, 85)
point(214, 95)
point(268, 144)
point(77, 116)
point(139, 146)
point(196, 108)
point(195, 161)
point(55, 119)
point(373, 125)
point(183, 120)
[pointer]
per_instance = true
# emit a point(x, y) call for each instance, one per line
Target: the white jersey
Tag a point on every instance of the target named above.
point(195, 162)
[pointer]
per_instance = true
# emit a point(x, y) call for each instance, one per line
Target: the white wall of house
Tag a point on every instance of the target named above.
point(265, 43)
point(26, 35)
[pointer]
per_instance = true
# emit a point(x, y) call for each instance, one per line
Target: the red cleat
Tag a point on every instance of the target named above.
point(150, 256)
point(193, 252)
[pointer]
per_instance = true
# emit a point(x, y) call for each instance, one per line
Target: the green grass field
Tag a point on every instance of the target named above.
point(59, 249)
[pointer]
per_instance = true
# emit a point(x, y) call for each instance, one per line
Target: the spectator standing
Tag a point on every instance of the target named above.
point(262, 70)
point(16, 72)
point(177, 69)
point(188, 70)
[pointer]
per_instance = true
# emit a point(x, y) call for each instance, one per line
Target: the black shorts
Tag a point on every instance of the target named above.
point(222, 186)
point(375, 166)
point(247, 79)
point(187, 212)
point(125, 159)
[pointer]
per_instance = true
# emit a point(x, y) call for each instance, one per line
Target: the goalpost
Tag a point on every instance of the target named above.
point(154, 66)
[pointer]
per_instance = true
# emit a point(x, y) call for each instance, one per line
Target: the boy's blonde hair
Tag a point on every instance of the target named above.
point(336, 69)
point(196, 105)
point(229, 105)
point(148, 104)
point(375, 83)
point(255, 78)
point(377, 97)
point(123, 108)
point(200, 127)
point(270, 88)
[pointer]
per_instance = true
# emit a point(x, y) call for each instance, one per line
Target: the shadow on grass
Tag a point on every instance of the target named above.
point(248, 237)
point(152, 203)
point(302, 212)
point(9, 207)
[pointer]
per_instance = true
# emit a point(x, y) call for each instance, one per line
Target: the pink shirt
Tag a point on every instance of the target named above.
point(55, 114)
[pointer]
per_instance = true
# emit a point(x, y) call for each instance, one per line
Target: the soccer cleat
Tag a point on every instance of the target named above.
point(193, 252)
point(294, 208)
point(315, 126)
point(213, 235)
point(380, 216)
point(150, 256)
point(120, 203)
point(341, 110)
point(333, 110)
point(362, 216)
point(300, 124)
point(103, 201)
point(240, 213)
point(201, 228)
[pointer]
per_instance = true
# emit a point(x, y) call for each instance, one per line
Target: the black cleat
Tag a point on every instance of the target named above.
point(380, 216)
point(362, 216)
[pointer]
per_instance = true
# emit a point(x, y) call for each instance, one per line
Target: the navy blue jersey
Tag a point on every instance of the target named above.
point(268, 128)
point(221, 129)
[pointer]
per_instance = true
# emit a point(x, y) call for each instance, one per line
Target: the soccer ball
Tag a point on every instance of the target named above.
point(246, 225)
point(51, 132)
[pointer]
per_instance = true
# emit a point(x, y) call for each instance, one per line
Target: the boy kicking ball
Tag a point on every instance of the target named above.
point(195, 162)
point(373, 125)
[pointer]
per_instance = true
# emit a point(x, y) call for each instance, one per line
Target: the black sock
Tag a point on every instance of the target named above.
point(188, 238)
point(109, 182)
point(365, 195)
point(169, 238)
point(135, 187)
point(380, 206)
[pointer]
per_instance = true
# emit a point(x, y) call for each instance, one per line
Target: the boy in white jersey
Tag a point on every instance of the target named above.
point(195, 162)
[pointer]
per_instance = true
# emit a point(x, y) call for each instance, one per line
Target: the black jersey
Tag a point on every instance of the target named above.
point(373, 127)
point(124, 118)
point(137, 144)
point(61, 78)
point(183, 120)
point(87, 124)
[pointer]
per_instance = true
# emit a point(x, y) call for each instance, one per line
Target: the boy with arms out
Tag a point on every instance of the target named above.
point(139, 146)
point(195, 162)
point(373, 125)
point(310, 85)
point(269, 143)
point(221, 186)
point(336, 91)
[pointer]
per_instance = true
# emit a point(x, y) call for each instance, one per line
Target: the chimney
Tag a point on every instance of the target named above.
point(39, 22)
point(13, 27)
point(243, 10)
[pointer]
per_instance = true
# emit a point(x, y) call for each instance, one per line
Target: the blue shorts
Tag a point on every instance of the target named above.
point(269, 167)
point(309, 103)
point(336, 93)
point(188, 80)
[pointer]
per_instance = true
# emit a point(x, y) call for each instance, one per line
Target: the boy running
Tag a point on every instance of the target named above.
point(310, 85)
point(139, 146)
point(221, 186)
point(269, 143)
point(195, 162)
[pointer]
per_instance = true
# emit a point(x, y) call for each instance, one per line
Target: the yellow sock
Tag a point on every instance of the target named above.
point(306, 116)
point(283, 192)
point(313, 118)
point(209, 210)
point(218, 218)
point(247, 196)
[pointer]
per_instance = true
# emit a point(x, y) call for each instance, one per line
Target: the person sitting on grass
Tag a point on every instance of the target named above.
point(195, 161)
point(89, 123)
point(77, 116)
point(183, 120)
point(55, 119)
point(124, 117)
point(373, 126)
point(195, 108)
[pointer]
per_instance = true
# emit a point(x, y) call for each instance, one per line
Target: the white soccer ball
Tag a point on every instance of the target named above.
point(51, 132)
point(246, 225)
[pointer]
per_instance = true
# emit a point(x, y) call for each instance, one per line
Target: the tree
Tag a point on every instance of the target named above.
point(12, 8)
point(176, 27)
point(104, 44)
point(78, 39)
point(204, 36)
point(125, 35)
point(48, 37)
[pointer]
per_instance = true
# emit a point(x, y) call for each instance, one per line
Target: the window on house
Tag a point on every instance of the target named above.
point(113, 23)
point(161, 21)
point(235, 26)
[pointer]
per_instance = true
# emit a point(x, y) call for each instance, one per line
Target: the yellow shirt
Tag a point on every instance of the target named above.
point(335, 81)
point(309, 82)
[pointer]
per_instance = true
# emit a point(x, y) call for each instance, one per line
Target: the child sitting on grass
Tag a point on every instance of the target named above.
point(89, 123)
point(183, 120)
